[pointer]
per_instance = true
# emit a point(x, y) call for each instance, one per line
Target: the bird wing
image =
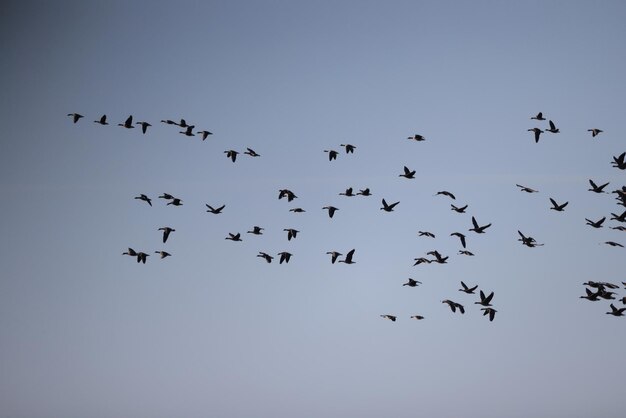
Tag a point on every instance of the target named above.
point(552, 127)
point(474, 222)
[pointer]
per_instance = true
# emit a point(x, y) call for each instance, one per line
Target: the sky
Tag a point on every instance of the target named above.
point(214, 330)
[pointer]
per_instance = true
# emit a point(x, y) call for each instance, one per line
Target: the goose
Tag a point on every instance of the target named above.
point(144, 126)
point(526, 189)
point(102, 120)
point(168, 121)
point(188, 130)
point(489, 311)
point(142, 257)
point(291, 233)
point(163, 254)
point(605, 294)
point(256, 230)
point(601, 285)
point(166, 232)
point(418, 317)
point(461, 237)
point(618, 218)
point(484, 300)
point(265, 256)
point(537, 132)
point(466, 289)
point(128, 124)
point(454, 305)
point(615, 311)
point(251, 152)
point(556, 206)
point(175, 202)
point(614, 244)
point(297, 210)
point(205, 134)
point(446, 193)
point(130, 252)
point(348, 259)
point(619, 228)
point(215, 211)
point(388, 208)
point(425, 234)
point(407, 173)
point(332, 154)
point(232, 154)
point(412, 283)
point(619, 162)
point(364, 192)
point(597, 189)
point(421, 260)
point(347, 193)
point(392, 318)
point(234, 237)
point(595, 131)
point(592, 296)
point(457, 209)
point(286, 193)
point(596, 224)
point(144, 198)
point(465, 252)
point(284, 257)
point(333, 256)
point(528, 241)
point(478, 229)
point(417, 138)
point(166, 196)
point(349, 148)
point(331, 210)
point(553, 129)
point(538, 117)
point(438, 257)
point(76, 116)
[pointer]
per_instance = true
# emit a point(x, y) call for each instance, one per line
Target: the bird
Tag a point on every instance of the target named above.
point(144, 198)
point(526, 189)
point(412, 283)
point(142, 257)
point(596, 224)
point(163, 254)
point(251, 152)
point(465, 252)
point(392, 318)
point(388, 208)
point(556, 206)
point(188, 129)
point(618, 218)
point(166, 196)
point(614, 244)
point(489, 311)
point(130, 252)
point(528, 241)
point(466, 289)
point(615, 311)
point(256, 230)
point(76, 116)
point(144, 126)
point(297, 210)
point(183, 123)
point(332, 154)
point(484, 300)
point(407, 173)
point(102, 120)
point(619, 162)
point(553, 129)
point(425, 234)
point(166, 232)
point(457, 209)
point(454, 305)
point(418, 317)
point(234, 237)
point(461, 237)
point(205, 134)
point(349, 148)
point(538, 117)
point(595, 131)
point(348, 259)
point(266, 256)
point(478, 229)
point(417, 137)
point(597, 189)
point(232, 154)
point(176, 202)
point(619, 228)
point(331, 210)
point(284, 257)
point(168, 121)
point(128, 124)
point(364, 192)
point(347, 193)
point(446, 193)
point(438, 257)
point(286, 193)
point(291, 233)
point(215, 211)
point(421, 260)
point(333, 256)
point(537, 132)
point(601, 285)
point(592, 296)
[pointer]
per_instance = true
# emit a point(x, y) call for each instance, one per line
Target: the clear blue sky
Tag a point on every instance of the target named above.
point(216, 331)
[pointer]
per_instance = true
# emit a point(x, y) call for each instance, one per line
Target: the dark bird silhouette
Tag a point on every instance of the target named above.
point(251, 152)
point(601, 285)
point(484, 300)
point(76, 116)
point(538, 117)
point(144, 126)
point(461, 237)
point(166, 232)
point(466, 289)
point(232, 154)
point(331, 210)
point(392, 318)
point(478, 229)
point(446, 193)
point(215, 211)
point(618, 218)
point(619, 228)
point(142, 257)
point(453, 305)
point(417, 138)
point(183, 123)
point(364, 192)
point(418, 317)
point(284, 257)
point(425, 234)
point(256, 230)
point(388, 208)
point(168, 121)
point(234, 237)
point(333, 256)
point(537, 132)
point(128, 124)
point(489, 311)
point(526, 189)
point(102, 120)
point(596, 224)
point(348, 259)
point(619, 162)
point(597, 189)
point(457, 209)
point(144, 198)
point(407, 173)
point(188, 130)
point(163, 254)
point(349, 148)
point(438, 257)
point(614, 244)
point(332, 154)
point(556, 206)
point(348, 192)
point(130, 252)
point(615, 311)
point(553, 129)
point(291, 233)
point(595, 131)
point(297, 210)
point(592, 296)
point(528, 241)
point(175, 202)
point(465, 252)
point(166, 196)
point(412, 283)
point(205, 134)
point(286, 193)
point(421, 260)
point(265, 256)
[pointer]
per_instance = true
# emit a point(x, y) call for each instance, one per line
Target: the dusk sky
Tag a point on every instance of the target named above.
point(214, 330)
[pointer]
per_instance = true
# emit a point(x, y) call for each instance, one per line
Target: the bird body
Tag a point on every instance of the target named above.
point(331, 210)
point(412, 283)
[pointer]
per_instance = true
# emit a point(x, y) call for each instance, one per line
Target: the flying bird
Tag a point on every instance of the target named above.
point(348, 259)
point(454, 305)
point(446, 193)
point(556, 206)
point(484, 300)
point(188, 129)
point(144, 198)
point(251, 152)
point(538, 117)
point(166, 232)
point(234, 237)
point(537, 132)
point(418, 317)
point(553, 129)
point(388, 208)
point(461, 237)
point(232, 154)
point(466, 289)
point(417, 137)
point(215, 211)
point(412, 283)
point(331, 210)
point(297, 210)
point(596, 224)
point(286, 193)
point(284, 257)
point(77, 116)
point(407, 173)
point(364, 192)
point(128, 124)
point(332, 154)
point(425, 234)
point(175, 202)
point(163, 254)
point(347, 193)
point(265, 256)
point(166, 196)
point(421, 260)
point(256, 230)
point(457, 209)
point(478, 229)
point(595, 132)
point(489, 311)
point(334, 255)
point(615, 311)
point(205, 134)
point(614, 244)
point(349, 148)
point(526, 189)
point(102, 120)
point(392, 318)
point(144, 126)
point(597, 189)
point(465, 252)
point(291, 233)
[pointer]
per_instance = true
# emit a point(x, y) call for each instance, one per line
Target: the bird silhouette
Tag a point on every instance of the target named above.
point(446, 193)
point(166, 196)
point(347, 193)
point(460, 236)
point(332, 154)
point(169, 122)
point(364, 192)
point(284, 257)
point(465, 252)
point(142, 257)
point(421, 260)
point(616, 311)
point(538, 117)
point(265, 256)
point(557, 207)
point(553, 129)
point(188, 130)
point(234, 237)
point(297, 210)
point(619, 162)
point(331, 210)
point(388, 208)
point(528, 241)
point(407, 173)
point(526, 189)
point(251, 152)
point(205, 134)
point(163, 254)
point(537, 132)
point(291, 233)
point(232, 154)
point(412, 283)
point(130, 252)
point(102, 120)
point(618, 218)
point(418, 317)
point(144, 126)
point(595, 132)
point(466, 289)
point(215, 211)
point(597, 189)
point(417, 138)
point(392, 318)
point(614, 244)
point(128, 124)
point(453, 305)
point(256, 230)
point(425, 234)
point(286, 193)
point(592, 296)
point(349, 148)
point(478, 229)
point(348, 259)
point(438, 257)
point(596, 224)
point(144, 198)
point(485, 300)
point(76, 116)
point(334, 255)
point(457, 209)
point(489, 311)
point(166, 232)
point(175, 202)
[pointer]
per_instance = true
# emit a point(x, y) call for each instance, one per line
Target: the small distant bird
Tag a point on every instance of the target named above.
point(421, 260)
point(388, 208)
point(297, 210)
point(256, 230)
point(130, 252)
point(454, 305)
point(619, 228)
point(390, 317)
point(234, 237)
point(407, 173)
point(101, 121)
point(166, 196)
point(489, 311)
point(284, 257)
point(615, 311)
point(331, 210)
point(528, 241)
point(232, 154)
point(266, 256)
point(618, 218)
point(461, 237)
point(205, 134)
point(457, 209)
point(597, 189)
point(465, 252)
point(251, 152)
point(286, 193)
point(595, 132)
point(333, 256)
point(484, 300)
point(614, 244)
point(77, 116)
point(291, 233)
point(144, 198)
point(602, 285)
point(438, 257)
point(332, 154)
point(556, 206)
point(144, 126)
point(347, 193)
point(596, 224)
point(176, 202)
point(537, 132)
point(446, 193)
point(188, 130)
point(183, 124)
point(526, 189)
point(215, 211)
point(163, 254)
point(619, 162)
point(417, 137)
point(168, 121)
point(466, 289)
point(349, 148)
point(478, 229)
point(412, 283)
point(418, 317)
point(166, 232)
point(592, 296)
point(538, 117)
point(142, 257)
point(128, 124)
point(425, 234)
point(553, 129)
point(364, 192)
point(348, 259)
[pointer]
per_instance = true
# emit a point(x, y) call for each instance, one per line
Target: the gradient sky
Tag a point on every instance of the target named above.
point(216, 331)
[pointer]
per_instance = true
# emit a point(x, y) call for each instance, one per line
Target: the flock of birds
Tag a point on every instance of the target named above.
point(595, 291)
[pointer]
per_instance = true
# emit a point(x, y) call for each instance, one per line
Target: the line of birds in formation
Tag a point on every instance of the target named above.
point(485, 300)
